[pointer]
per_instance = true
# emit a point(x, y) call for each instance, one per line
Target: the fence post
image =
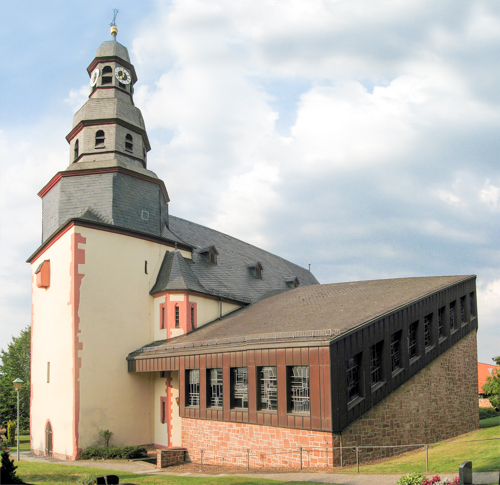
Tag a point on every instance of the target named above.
point(427, 458)
point(248, 460)
point(357, 459)
point(300, 451)
point(201, 461)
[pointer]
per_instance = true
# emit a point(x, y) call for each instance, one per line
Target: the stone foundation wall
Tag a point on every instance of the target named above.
point(438, 403)
point(169, 456)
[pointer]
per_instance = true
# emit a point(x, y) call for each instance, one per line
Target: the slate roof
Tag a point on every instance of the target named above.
point(315, 312)
point(175, 274)
point(111, 48)
point(231, 277)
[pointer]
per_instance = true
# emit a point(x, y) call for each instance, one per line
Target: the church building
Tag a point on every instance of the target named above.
point(172, 334)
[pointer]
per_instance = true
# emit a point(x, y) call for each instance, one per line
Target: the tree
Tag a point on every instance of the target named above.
point(8, 470)
point(492, 387)
point(15, 363)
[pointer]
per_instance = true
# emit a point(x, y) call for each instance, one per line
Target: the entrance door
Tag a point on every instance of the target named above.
point(48, 439)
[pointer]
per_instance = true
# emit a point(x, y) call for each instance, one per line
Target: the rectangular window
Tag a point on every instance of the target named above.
point(463, 314)
point(193, 387)
point(396, 351)
point(452, 316)
point(239, 387)
point(267, 393)
point(162, 317)
point(192, 318)
point(177, 319)
point(412, 340)
point(48, 372)
point(353, 377)
point(376, 363)
point(299, 400)
point(163, 411)
point(441, 329)
point(472, 304)
point(428, 331)
point(214, 391)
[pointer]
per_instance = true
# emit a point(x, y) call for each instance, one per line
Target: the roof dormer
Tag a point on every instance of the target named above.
point(292, 282)
point(256, 269)
point(209, 254)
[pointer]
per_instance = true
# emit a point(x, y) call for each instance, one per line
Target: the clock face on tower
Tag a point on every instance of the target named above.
point(123, 75)
point(94, 76)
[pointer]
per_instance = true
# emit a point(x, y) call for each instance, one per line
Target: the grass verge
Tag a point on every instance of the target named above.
point(489, 422)
point(447, 456)
point(52, 473)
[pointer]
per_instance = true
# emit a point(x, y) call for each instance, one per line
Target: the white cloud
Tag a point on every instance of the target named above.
point(77, 97)
point(490, 195)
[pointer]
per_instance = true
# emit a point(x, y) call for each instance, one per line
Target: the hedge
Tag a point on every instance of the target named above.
point(485, 413)
point(113, 452)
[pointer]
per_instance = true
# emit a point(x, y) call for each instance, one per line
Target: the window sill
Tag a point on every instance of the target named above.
point(192, 407)
point(357, 400)
point(299, 413)
point(442, 339)
point(239, 409)
point(414, 359)
point(428, 349)
point(397, 371)
point(215, 408)
point(454, 331)
point(268, 411)
point(377, 386)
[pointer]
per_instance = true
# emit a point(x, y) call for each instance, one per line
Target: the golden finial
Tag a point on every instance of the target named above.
point(114, 28)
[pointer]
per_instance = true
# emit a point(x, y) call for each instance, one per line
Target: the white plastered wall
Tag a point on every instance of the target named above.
point(116, 315)
point(161, 429)
point(208, 309)
point(52, 341)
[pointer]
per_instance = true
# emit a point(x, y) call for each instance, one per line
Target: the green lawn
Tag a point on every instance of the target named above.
point(447, 456)
point(24, 444)
point(50, 473)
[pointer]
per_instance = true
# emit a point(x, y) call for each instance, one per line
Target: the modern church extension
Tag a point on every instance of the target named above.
point(173, 334)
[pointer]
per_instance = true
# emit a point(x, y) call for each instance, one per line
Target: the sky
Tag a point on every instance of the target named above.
point(362, 135)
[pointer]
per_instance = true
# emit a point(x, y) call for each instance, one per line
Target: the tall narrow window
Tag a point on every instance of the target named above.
point(163, 411)
point(472, 304)
point(99, 139)
point(299, 400)
point(376, 363)
point(353, 377)
point(463, 314)
point(192, 318)
point(162, 317)
point(412, 340)
point(177, 318)
point(396, 351)
point(193, 387)
point(267, 393)
point(129, 143)
point(441, 329)
point(452, 316)
point(214, 391)
point(76, 149)
point(428, 331)
point(107, 75)
point(239, 387)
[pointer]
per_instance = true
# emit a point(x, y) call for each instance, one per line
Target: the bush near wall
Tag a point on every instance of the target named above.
point(113, 452)
point(485, 413)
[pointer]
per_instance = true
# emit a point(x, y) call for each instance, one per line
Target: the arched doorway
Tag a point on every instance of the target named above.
point(48, 439)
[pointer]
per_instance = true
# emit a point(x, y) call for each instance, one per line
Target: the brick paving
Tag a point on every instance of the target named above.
point(192, 469)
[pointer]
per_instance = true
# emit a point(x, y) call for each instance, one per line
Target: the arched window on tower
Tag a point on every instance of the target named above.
point(107, 75)
point(99, 139)
point(76, 150)
point(129, 143)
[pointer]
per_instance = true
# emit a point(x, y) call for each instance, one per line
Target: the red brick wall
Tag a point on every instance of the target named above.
point(436, 404)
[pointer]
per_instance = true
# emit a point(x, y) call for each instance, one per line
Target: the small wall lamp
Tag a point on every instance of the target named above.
point(177, 400)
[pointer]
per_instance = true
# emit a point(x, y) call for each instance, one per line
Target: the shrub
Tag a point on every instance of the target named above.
point(485, 413)
point(86, 480)
point(11, 431)
point(411, 479)
point(8, 470)
point(113, 452)
point(105, 434)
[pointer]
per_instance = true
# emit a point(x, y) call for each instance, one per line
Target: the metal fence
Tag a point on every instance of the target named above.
point(312, 457)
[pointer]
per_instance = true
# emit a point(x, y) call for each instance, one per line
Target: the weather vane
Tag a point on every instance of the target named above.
point(114, 28)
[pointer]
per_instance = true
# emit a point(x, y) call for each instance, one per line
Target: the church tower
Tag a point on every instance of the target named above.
point(104, 237)
point(107, 179)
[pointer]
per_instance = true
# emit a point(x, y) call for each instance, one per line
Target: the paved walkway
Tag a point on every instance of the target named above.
point(142, 468)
